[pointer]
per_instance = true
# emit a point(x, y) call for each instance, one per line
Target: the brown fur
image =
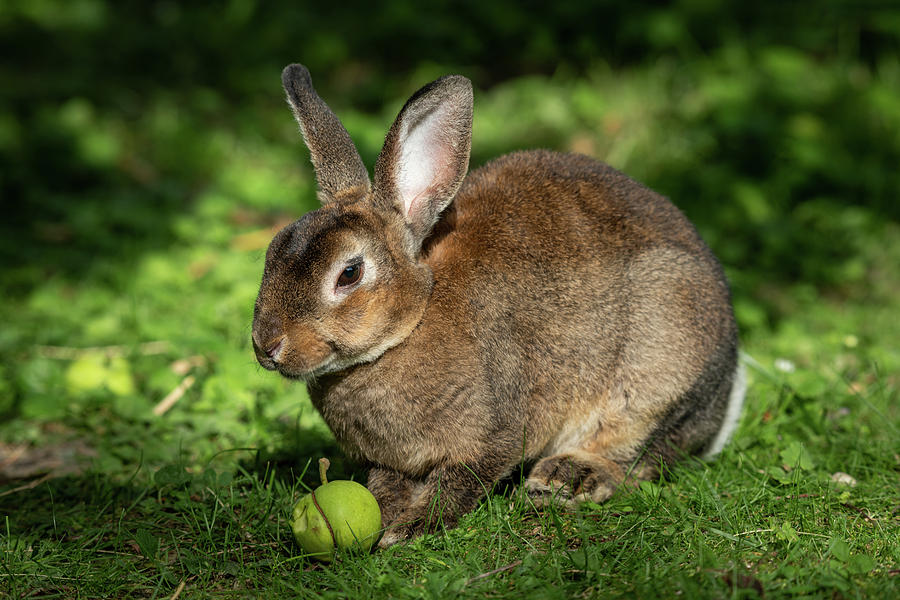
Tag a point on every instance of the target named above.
point(557, 310)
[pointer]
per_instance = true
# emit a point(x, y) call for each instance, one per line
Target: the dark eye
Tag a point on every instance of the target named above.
point(350, 275)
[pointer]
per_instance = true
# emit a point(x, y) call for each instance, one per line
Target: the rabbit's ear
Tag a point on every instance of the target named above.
point(339, 169)
point(426, 154)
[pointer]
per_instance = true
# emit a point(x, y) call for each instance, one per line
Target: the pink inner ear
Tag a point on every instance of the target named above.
point(423, 165)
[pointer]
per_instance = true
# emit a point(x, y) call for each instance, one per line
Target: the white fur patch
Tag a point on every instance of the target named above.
point(732, 414)
point(575, 433)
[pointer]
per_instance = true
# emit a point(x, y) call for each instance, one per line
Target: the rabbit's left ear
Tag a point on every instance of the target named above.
point(426, 154)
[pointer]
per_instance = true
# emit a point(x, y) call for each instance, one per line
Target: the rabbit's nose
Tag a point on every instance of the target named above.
point(274, 348)
point(268, 343)
point(268, 336)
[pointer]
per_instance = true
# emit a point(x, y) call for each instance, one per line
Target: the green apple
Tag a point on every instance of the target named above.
point(337, 514)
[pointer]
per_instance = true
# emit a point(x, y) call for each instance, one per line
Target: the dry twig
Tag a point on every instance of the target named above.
point(69, 353)
point(174, 396)
point(27, 486)
point(508, 567)
point(178, 590)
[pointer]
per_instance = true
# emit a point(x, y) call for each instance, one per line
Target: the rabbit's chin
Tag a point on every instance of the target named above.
point(324, 368)
point(332, 364)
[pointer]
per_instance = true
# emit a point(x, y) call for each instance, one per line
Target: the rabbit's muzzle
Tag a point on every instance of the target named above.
point(268, 342)
point(295, 351)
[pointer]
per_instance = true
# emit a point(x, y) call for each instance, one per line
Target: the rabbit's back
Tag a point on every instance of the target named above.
point(581, 290)
point(548, 206)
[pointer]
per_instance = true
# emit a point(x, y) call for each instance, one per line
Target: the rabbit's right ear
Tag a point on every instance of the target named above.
point(426, 154)
point(339, 169)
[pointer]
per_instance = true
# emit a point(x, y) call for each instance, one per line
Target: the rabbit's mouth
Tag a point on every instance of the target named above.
point(295, 351)
point(291, 366)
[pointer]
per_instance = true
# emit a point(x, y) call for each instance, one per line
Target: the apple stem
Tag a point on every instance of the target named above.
point(324, 463)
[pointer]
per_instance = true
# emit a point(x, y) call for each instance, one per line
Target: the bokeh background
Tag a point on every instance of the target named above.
point(147, 156)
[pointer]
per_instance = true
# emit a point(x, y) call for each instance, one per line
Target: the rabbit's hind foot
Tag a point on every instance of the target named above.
point(572, 478)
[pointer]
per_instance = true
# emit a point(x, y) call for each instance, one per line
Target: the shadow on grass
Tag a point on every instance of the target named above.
point(60, 506)
point(297, 458)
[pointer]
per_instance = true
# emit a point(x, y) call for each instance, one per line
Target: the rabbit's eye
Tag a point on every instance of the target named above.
point(350, 275)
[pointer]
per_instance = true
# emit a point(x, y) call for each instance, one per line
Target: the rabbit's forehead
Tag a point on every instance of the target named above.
point(319, 238)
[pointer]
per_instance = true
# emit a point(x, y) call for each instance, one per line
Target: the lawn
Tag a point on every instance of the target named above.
point(147, 157)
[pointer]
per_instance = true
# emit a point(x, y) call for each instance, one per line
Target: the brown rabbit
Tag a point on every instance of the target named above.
point(449, 327)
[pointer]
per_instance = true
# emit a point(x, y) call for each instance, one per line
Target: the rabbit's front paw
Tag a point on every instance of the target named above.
point(392, 490)
point(394, 535)
point(405, 527)
point(543, 494)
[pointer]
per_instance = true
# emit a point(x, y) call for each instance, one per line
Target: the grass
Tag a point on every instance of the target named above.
point(143, 453)
point(163, 509)
point(764, 518)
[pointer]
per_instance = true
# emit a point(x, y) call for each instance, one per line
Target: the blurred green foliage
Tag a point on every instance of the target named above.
point(146, 153)
point(116, 115)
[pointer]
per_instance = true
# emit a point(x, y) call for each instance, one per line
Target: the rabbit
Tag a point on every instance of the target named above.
point(543, 309)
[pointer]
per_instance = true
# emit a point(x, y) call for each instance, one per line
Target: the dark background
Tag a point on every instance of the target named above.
point(217, 63)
